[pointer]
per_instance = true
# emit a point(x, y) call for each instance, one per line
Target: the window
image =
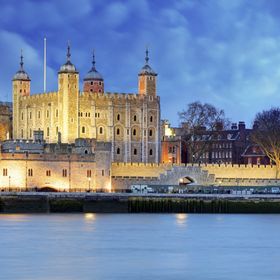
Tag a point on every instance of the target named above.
point(151, 118)
point(39, 114)
point(118, 131)
point(48, 173)
point(64, 172)
point(88, 114)
point(118, 151)
point(118, 117)
point(30, 172)
point(100, 83)
point(88, 173)
point(81, 114)
point(5, 172)
point(134, 132)
point(48, 113)
point(150, 132)
point(83, 129)
point(21, 133)
point(56, 113)
point(100, 130)
point(22, 116)
point(30, 133)
point(135, 118)
point(30, 115)
point(135, 152)
point(151, 152)
point(127, 132)
point(91, 90)
point(48, 131)
point(103, 172)
point(91, 83)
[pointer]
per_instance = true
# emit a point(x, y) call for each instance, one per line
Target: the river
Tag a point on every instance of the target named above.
point(139, 246)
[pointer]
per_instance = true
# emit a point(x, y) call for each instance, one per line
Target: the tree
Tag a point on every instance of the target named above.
point(266, 134)
point(199, 124)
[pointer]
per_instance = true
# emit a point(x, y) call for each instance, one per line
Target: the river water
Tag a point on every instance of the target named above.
point(139, 246)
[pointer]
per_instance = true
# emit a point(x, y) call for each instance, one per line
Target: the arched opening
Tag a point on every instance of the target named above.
point(185, 181)
point(47, 189)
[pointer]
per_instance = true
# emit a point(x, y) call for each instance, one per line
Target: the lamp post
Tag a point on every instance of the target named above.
point(89, 179)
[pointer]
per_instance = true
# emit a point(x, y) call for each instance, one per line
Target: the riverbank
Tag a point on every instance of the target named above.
point(136, 203)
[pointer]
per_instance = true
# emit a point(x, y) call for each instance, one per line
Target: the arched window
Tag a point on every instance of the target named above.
point(118, 131)
point(135, 152)
point(135, 118)
point(134, 132)
point(151, 118)
point(83, 129)
point(100, 130)
point(151, 152)
point(118, 151)
point(150, 132)
point(118, 117)
point(48, 131)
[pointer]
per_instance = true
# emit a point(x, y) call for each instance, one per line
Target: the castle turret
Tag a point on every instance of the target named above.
point(21, 87)
point(68, 95)
point(147, 79)
point(93, 81)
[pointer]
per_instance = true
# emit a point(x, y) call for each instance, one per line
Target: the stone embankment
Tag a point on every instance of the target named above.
point(133, 203)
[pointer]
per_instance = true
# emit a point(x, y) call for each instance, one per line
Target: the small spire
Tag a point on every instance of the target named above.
point(93, 60)
point(68, 52)
point(147, 56)
point(21, 60)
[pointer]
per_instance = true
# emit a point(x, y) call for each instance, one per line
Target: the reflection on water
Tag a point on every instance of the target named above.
point(148, 246)
point(181, 218)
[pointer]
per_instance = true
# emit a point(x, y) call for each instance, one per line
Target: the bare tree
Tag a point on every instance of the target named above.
point(266, 134)
point(199, 123)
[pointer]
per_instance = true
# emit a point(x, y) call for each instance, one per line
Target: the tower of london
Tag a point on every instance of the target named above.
point(130, 122)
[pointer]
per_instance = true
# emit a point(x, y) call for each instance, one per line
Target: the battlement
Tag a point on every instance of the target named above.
point(39, 96)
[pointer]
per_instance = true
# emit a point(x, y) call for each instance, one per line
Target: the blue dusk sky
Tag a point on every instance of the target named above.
point(224, 52)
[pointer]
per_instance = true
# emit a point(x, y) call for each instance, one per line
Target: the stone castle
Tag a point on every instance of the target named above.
point(130, 122)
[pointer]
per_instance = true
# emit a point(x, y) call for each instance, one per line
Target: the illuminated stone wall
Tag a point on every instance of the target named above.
point(62, 172)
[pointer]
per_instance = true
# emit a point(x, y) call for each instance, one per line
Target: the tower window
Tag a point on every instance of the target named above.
point(22, 116)
point(134, 132)
point(5, 172)
point(150, 132)
point(48, 113)
point(30, 172)
point(30, 115)
point(100, 130)
point(91, 90)
point(83, 129)
point(48, 131)
point(22, 133)
point(48, 173)
point(56, 113)
point(118, 131)
point(88, 173)
point(151, 118)
point(91, 83)
point(39, 114)
point(118, 151)
point(135, 152)
point(135, 118)
point(118, 117)
point(64, 172)
point(151, 152)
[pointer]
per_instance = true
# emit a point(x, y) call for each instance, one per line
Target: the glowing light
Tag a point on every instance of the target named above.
point(181, 218)
point(90, 216)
